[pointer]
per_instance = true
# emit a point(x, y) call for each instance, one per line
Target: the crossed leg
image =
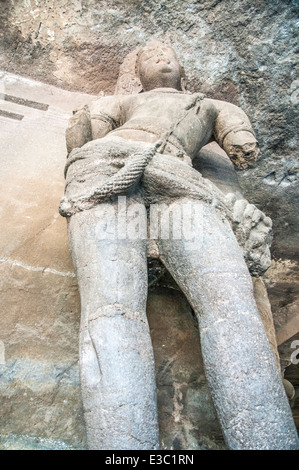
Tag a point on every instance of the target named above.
point(116, 358)
point(240, 367)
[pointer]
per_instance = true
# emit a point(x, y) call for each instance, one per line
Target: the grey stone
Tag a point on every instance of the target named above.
point(240, 52)
point(145, 155)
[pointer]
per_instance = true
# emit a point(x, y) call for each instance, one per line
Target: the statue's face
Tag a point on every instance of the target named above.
point(158, 66)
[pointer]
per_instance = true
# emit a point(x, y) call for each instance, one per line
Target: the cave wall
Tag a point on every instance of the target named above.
point(242, 52)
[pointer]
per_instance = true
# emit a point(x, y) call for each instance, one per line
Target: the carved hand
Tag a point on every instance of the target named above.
point(253, 230)
point(242, 148)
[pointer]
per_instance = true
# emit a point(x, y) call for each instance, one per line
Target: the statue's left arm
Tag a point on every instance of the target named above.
point(234, 133)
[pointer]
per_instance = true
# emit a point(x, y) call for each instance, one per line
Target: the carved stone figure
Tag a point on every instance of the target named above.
point(128, 154)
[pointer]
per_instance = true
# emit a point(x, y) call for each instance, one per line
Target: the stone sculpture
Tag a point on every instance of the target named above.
point(127, 154)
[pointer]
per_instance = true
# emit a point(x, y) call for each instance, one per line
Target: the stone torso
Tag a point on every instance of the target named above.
point(151, 115)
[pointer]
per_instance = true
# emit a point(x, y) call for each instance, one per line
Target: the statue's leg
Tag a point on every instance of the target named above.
point(241, 370)
point(116, 357)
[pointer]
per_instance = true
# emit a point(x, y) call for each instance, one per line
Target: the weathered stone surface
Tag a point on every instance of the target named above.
point(229, 53)
point(154, 150)
point(39, 325)
point(289, 353)
point(214, 164)
point(228, 50)
point(39, 373)
point(116, 357)
point(39, 382)
point(187, 418)
point(251, 226)
point(243, 53)
point(239, 364)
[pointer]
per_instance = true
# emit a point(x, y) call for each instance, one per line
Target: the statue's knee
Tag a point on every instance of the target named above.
point(115, 311)
point(107, 311)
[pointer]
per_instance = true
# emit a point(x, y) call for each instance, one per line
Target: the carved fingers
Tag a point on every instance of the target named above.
point(253, 230)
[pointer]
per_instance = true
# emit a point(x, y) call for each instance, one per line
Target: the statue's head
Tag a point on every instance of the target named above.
point(157, 66)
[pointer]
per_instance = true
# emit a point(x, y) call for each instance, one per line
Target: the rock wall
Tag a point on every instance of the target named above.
point(39, 323)
point(242, 52)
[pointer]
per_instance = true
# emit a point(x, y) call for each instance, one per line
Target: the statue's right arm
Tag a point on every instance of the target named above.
point(93, 122)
